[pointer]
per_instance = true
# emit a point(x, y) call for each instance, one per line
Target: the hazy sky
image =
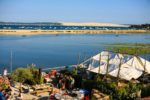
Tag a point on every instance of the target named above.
point(102, 11)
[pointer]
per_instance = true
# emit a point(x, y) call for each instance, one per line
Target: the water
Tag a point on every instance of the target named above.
point(52, 50)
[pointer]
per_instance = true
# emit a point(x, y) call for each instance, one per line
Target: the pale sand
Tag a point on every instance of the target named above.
point(28, 96)
point(93, 24)
point(34, 32)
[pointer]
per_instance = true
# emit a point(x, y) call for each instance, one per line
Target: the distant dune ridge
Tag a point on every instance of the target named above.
point(37, 29)
point(63, 23)
point(93, 24)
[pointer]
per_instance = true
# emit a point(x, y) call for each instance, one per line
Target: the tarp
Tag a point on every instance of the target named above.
point(132, 67)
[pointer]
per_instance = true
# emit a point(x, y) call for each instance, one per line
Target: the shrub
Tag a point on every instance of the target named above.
point(27, 75)
point(4, 82)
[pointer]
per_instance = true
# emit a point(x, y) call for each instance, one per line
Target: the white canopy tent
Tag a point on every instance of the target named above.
point(131, 67)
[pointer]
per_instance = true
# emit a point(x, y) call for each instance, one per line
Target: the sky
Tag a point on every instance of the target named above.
point(78, 11)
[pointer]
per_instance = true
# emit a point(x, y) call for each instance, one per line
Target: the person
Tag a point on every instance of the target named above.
point(72, 82)
point(2, 95)
point(5, 72)
point(20, 97)
point(58, 79)
point(67, 82)
point(8, 90)
point(60, 83)
point(6, 96)
point(64, 82)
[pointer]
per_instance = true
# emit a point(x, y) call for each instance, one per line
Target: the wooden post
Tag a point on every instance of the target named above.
point(119, 68)
point(78, 59)
point(99, 63)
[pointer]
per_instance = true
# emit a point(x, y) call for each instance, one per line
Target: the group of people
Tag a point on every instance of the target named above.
point(4, 81)
point(5, 94)
point(64, 81)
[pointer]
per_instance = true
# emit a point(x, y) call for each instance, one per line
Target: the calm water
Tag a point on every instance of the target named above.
point(52, 50)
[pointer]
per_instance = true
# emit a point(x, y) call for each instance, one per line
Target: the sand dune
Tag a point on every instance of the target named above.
point(94, 24)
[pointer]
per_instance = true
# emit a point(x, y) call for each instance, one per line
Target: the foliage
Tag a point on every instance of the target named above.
point(145, 90)
point(78, 80)
point(128, 44)
point(142, 26)
point(4, 82)
point(21, 75)
point(27, 75)
point(69, 72)
point(130, 50)
point(89, 84)
point(115, 93)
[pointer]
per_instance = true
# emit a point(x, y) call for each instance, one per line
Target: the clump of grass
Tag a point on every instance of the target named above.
point(121, 44)
point(130, 50)
point(147, 38)
point(128, 44)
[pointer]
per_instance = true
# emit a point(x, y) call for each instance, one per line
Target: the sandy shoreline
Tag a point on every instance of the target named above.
point(34, 32)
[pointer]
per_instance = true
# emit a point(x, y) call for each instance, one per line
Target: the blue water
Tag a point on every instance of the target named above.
point(52, 50)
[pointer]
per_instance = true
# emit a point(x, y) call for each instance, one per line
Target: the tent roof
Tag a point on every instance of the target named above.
point(131, 66)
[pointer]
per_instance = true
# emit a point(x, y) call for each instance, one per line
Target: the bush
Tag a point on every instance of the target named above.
point(21, 75)
point(78, 80)
point(89, 84)
point(27, 75)
point(112, 89)
point(145, 90)
point(4, 82)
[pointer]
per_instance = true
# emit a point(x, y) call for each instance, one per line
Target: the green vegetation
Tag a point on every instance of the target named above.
point(115, 92)
point(147, 38)
point(121, 44)
point(27, 75)
point(4, 83)
point(128, 44)
point(111, 88)
point(142, 26)
point(130, 50)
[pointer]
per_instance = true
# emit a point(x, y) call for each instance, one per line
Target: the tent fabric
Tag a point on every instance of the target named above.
point(132, 67)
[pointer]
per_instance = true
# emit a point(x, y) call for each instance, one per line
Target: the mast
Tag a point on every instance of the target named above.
point(78, 62)
point(11, 61)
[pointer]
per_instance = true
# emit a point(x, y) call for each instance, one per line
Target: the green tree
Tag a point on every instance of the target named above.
point(21, 75)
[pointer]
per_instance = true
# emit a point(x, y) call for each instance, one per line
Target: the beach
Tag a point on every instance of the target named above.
point(34, 32)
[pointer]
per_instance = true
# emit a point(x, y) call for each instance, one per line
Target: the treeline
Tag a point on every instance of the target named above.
point(30, 23)
point(142, 26)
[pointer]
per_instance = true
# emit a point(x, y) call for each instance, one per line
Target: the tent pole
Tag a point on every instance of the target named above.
point(119, 68)
point(91, 61)
point(145, 63)
point(99, 63)
point(107, 66)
